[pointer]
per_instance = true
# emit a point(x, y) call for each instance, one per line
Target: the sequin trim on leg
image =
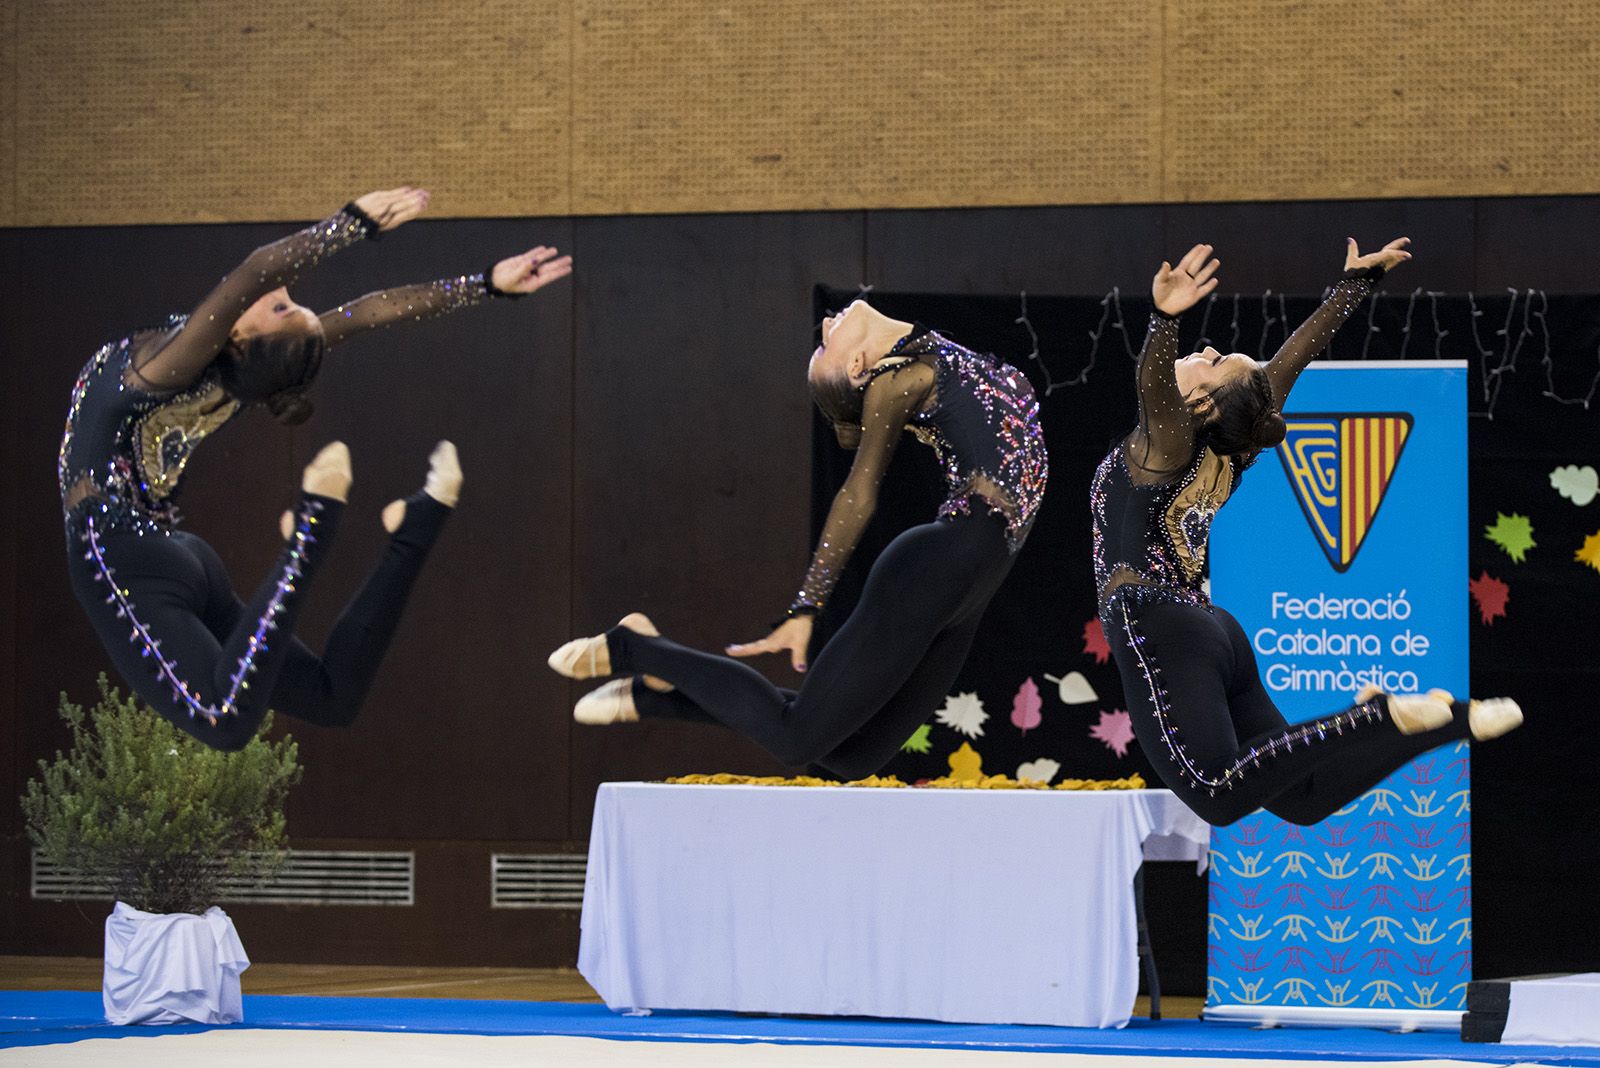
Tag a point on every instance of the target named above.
point(1304, 734)
point(150, 645)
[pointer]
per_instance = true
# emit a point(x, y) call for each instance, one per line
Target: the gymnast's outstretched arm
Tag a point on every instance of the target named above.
point(514, 276)
point(1361, 276)
point(1163, 442)
point(891, 399)
point(174, 361)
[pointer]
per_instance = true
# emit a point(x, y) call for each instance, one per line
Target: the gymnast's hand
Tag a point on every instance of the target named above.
point(391, 207)
point(1388, 257)
point(1177, 289)
point(793, 634)
point(525, 273)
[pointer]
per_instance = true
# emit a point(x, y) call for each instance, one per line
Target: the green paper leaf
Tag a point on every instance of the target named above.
point(1513, 533)
point(919, 741)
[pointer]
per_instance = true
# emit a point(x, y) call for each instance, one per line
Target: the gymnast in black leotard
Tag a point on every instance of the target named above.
point(892, 662)
point(1199, 709)
point(159, 597)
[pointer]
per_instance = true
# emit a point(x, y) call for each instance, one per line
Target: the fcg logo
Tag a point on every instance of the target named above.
point(1340, 467)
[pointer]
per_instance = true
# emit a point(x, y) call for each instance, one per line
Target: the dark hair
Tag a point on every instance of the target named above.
point(1242, 418)
point(275, 370)
point(839, 400)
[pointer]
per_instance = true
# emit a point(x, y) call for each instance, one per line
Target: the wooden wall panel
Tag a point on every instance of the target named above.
point(11, 759)
point(635, 439)
point(1545, 243)
point(136, 111)
point(465, 732)
point(691, 450)
point(1300, 247)
point(1003, 250)
point(781, 104)
point(1378, 98)
point(9, 21)
point(450, 923)
point(126, 279)
point(132, 111)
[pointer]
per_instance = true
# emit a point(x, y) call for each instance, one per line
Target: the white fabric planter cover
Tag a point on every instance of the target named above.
point(174, 968)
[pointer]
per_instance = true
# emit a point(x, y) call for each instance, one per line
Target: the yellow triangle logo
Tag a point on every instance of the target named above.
point(1340, 467)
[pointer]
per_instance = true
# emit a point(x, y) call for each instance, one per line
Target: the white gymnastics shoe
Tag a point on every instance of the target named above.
point(611, 703)
point(1413, 713)
point(590, 658)
point(1492, 717)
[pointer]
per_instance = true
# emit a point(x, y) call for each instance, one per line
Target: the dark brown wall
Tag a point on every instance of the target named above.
point(637, 438)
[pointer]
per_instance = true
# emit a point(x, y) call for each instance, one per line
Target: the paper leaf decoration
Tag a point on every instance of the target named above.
point(1490, 595)
point(918, 742)
point(1025, 707)
point(963, 712)
point(1115, 729)
point(1094, 641)
point(1577, 484)
point(1042, 770)
point(1073, 688)
point(1513, 533)
point(1590, 553)
point(966, 764)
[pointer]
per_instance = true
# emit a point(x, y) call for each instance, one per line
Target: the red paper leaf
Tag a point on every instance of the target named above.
point(1094, 641)
point(1490, 595)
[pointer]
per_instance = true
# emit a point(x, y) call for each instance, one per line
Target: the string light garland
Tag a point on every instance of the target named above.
point(1530, 305)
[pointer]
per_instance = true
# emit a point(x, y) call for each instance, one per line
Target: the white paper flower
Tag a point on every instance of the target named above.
point(1074, 689)
point(963, 712)
point(1577, 484)
point(1042, 770)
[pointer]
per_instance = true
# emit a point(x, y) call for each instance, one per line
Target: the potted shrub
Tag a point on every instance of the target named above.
point(161, 822)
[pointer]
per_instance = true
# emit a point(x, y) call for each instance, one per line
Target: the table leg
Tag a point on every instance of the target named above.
point(1147, 956)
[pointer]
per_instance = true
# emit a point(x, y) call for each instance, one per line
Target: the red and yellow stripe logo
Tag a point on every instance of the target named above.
point(1340, 467)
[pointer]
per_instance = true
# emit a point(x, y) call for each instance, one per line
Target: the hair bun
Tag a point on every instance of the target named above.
point(1269, 430)
point(290, 407)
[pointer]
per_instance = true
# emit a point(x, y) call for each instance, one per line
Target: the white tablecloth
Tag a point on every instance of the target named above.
point(168, 968)
point(976, 906)
point(1561, 1010)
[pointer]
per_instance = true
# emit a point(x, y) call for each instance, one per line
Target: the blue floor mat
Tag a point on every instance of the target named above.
point(29, 1018)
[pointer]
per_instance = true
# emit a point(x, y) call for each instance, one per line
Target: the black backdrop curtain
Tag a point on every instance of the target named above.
point(1534, 362)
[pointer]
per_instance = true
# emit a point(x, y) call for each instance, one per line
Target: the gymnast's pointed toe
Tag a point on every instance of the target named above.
point(1415, 713)
point(590, 658)
point(611, 703)
point(329, 473)
point(582, 658)
point(1492, 717)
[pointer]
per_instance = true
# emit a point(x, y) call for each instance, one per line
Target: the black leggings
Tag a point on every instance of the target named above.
point(212, 665)
point(885, 671)
point(1194, 692)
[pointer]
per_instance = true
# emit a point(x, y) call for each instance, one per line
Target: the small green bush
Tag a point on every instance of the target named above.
point(155, 817)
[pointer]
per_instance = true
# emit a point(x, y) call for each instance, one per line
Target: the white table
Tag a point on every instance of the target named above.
point(974, 906)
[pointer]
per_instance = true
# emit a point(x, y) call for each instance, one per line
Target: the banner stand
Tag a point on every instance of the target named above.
point(1343, 554)
point(1323, 1016)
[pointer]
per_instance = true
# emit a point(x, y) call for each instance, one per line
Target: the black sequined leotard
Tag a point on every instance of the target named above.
point(1196, 701)
point(127, 439)
point(981, 419)
point(1155, 494)
point(163, 605)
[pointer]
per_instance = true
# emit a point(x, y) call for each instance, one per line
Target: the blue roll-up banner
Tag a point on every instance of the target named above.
point(1344, 556)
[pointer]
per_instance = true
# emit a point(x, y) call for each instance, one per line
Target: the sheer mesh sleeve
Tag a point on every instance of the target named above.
point(182, 359)
point(1164, 440)
point(891, 399)
point(1314, 334)
point(425, 300)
